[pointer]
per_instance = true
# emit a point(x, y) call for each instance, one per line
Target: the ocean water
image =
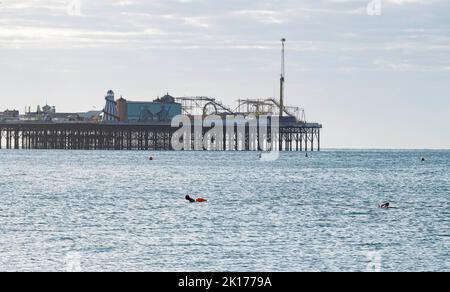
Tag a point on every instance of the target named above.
point(118, 211)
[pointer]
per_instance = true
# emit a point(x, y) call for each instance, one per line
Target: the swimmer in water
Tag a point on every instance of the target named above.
point(199, 200)
point(190, 199)
point(384, 206)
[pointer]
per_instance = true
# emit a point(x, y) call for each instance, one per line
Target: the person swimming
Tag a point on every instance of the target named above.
point(190, 199)
point(384, 205)
point(199, 200)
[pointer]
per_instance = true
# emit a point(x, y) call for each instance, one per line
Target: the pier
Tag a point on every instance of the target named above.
point(265, 124)
point(146, 136)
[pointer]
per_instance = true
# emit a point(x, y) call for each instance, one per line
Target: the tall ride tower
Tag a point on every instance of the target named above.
point(282, 80)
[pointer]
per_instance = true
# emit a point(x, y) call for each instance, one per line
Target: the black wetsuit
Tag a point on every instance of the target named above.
point(385, 206)
point(190, 199)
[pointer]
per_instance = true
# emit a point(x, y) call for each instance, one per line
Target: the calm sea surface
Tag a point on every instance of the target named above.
point(118, 211)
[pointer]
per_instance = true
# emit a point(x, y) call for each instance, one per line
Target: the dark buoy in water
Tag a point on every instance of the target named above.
point(423, 159)
point(151, 158)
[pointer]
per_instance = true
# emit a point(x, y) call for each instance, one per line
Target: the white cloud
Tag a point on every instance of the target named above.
point(264, 16)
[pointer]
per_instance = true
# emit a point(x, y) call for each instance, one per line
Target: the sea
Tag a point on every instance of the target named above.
point(120, 211)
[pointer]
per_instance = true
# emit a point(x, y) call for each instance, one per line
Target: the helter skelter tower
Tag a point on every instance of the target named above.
point(110, 113)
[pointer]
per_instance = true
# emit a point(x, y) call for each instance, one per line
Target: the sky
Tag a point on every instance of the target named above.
point(374, 76)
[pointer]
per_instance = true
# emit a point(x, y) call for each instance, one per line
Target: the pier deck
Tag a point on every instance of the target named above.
point(143, 136)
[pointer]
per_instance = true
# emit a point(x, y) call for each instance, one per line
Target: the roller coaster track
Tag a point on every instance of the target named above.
point(294, 112)
point(207, 106)
point(200, 105)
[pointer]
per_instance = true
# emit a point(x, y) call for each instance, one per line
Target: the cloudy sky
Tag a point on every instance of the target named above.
point(373, 81)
